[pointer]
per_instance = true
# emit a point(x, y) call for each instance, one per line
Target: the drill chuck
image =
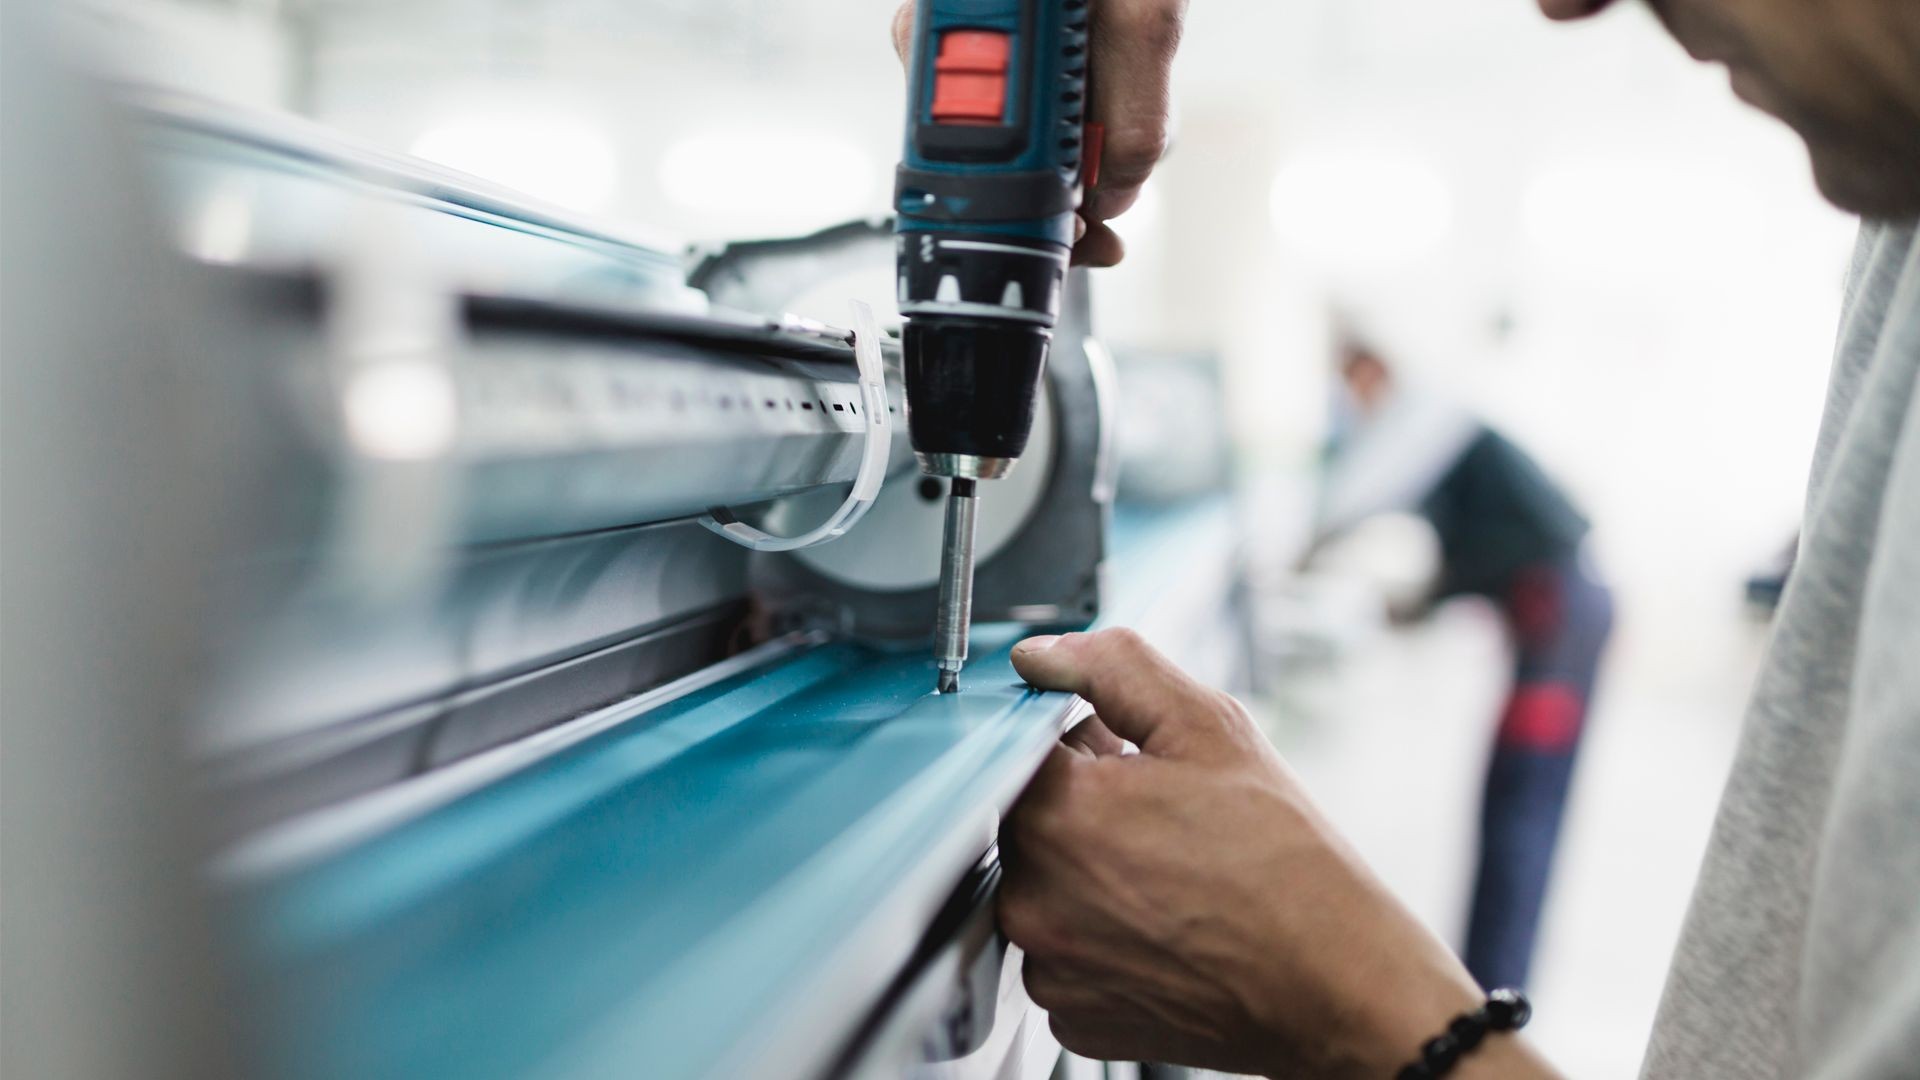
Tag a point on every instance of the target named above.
point(980, 311)
point(972, 385)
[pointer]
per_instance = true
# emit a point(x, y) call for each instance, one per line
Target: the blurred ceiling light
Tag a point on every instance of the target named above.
point(776, 176)
point(1360, 208)
point(550, 155)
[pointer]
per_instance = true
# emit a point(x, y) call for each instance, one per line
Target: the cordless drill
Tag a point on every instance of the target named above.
point(997, 148)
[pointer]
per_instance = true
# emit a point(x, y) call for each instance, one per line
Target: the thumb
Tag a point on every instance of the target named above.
point(1138, 693)
point(903, 31)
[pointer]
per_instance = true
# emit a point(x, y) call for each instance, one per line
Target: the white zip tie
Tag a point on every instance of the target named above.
point(873, 457)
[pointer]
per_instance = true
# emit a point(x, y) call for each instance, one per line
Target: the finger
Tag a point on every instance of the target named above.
point(1133, 43)
point(1042, 792)
point(1095, 738)
point(1099, 245)
point(903, 31)
point(1020, 909)
point(1048, 780)
point(1056, 985)
point(1008, 850)
point(1139, 694)
point(1096, 1034)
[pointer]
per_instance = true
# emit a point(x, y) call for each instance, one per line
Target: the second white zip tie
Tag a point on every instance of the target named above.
point(873, 456)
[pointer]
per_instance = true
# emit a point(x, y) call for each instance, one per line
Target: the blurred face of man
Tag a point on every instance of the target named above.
point(1367, 379)
point(1844, 74)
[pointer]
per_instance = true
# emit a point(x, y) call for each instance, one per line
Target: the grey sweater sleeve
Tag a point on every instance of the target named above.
point(1859, 999)
point(1801, 952)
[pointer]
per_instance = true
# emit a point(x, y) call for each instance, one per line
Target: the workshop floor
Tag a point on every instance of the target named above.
point(1393, 739)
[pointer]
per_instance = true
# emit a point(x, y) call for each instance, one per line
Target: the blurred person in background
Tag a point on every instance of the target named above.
point(1188, 903)
point(1509, 535)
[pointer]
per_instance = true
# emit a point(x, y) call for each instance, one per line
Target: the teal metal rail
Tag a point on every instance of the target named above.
point(719, 887)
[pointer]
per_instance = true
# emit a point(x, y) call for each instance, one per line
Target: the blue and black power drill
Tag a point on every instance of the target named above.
point(998, 150)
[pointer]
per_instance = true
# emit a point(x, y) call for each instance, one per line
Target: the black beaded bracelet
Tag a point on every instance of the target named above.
point(1505, 1010)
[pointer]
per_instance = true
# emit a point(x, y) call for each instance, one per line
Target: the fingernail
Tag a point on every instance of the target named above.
point(1037, 644)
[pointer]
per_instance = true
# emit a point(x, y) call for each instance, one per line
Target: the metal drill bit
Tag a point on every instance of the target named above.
point(954, 615)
